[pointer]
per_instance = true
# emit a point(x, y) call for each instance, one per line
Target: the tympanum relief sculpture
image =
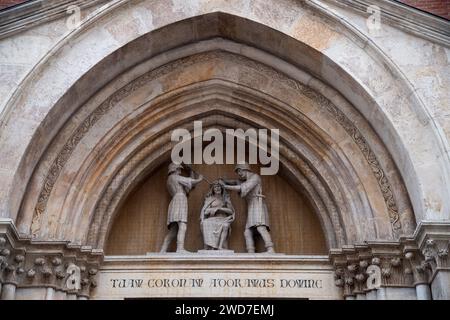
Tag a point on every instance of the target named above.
point(217, 213)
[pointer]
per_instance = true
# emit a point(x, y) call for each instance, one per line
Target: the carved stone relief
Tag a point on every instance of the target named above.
point(64, 268)
point(89, 122)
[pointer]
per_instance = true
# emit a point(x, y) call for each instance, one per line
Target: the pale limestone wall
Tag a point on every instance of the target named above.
point(395, 69)
point(426, 65)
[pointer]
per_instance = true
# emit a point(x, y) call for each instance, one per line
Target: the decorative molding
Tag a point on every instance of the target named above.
point(33, 13)
point(25, 263)
point(433, 239)
point(369, 155)
point(362, 268)
point(409, 262)
point(406, 18)
point(352, 131)
point(70, 145)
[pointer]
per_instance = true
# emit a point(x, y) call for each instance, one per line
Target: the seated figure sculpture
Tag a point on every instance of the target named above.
point(216, 217)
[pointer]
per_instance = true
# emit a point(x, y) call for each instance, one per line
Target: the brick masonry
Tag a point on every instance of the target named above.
point(437, 7)
point(9, 3)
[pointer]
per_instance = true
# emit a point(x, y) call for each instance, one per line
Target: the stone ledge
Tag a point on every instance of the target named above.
point(241, 261)
point(32, 13)
point(404, 17)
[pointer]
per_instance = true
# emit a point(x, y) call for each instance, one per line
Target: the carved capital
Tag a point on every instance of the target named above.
point(64, 267)
point(433, 239)
point(435, 252)
point(362, 268)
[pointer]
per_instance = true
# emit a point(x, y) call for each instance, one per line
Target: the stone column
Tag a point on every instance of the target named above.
point(10, 273)
point(436, 254)
point(360, 296)
point(72, 296)
point(345, 279)
point(433, 239)
point(8, 291)
point(423, 291)
point(371, 295)
point(420, 275)
point(381, 293)
point(440, 286)
point(60, 295)
point(50, 294)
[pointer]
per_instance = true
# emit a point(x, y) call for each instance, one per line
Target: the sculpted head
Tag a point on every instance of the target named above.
point(174, 169)
point(242, 171)
point(217, 188)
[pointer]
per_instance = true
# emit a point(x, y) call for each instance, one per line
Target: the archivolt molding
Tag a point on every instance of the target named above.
point(352, 130)
point(149, 157)
point(108, 105)
point(378, 172)
point(88, 123)
point(154, 150)
point(416, 187)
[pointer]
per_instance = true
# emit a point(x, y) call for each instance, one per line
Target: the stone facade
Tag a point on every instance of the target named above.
point(359, 90)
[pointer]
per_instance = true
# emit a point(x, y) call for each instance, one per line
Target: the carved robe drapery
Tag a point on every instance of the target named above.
point(214, 225)
point(257, 213)
point(178, 187)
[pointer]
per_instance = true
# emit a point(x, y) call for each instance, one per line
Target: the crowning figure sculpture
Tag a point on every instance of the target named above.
point(249, 186)
point(216, 217)
point(177, 215)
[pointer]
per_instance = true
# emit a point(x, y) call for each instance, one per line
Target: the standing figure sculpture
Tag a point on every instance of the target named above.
point(249, 187)
point(216, 217)
point(179, 188)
